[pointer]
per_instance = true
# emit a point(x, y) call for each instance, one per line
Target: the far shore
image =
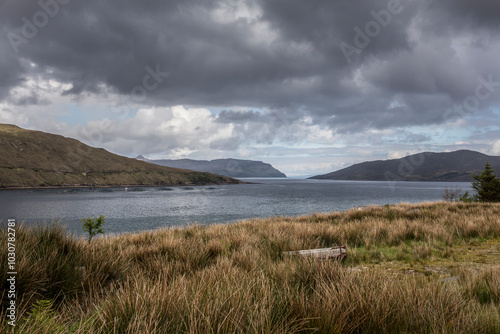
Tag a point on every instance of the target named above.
point(120, 186)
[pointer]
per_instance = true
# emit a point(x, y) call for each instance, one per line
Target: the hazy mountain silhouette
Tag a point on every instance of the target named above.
point(426, 166)
point(227, 167)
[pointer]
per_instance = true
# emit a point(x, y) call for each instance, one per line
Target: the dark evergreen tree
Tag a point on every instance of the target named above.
point(487, 185)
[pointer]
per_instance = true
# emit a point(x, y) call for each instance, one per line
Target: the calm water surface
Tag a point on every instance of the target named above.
point(151, 208)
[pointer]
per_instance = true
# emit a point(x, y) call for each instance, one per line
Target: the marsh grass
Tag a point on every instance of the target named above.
point(234, 279)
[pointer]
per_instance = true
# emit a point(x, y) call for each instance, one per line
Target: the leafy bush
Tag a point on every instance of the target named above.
point(468, 198)
point(93, 226)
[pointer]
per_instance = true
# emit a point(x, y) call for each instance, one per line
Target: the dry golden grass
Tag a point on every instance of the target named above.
point(234, 279)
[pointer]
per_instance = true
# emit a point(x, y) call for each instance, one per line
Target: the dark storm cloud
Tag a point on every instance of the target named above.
point(230, 116)
point(10, 71)
point(464, 13)
point(325, 23)
point(287, 58)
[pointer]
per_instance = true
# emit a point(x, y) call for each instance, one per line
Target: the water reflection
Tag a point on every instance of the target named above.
point(149, 208)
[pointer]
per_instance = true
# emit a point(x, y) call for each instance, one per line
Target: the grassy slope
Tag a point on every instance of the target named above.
point(234, 278)
point(34, 159)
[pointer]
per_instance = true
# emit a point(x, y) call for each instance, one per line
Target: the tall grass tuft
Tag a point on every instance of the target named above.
point(234, 278)
point(54, 266)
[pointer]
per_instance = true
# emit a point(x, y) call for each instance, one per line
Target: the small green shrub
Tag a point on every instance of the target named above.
point(467, 198)
point(93, 226)
point(43, 318)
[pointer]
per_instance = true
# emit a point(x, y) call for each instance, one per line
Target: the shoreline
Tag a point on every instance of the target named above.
point(121, 186)
point(224, 224)
point(203, 184)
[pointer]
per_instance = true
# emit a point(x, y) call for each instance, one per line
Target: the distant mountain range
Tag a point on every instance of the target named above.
point(38, 159)
point(427, 166)
point(227, 167)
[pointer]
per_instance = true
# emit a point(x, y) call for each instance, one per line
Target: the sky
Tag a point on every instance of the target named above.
point(308, 86)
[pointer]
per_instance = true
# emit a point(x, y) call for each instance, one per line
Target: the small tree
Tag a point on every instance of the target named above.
point(452, 195)
point(467, 198)
point(93, 226)
point(487, 185)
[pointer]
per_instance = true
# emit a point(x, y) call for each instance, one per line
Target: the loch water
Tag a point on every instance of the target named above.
point(148, 208)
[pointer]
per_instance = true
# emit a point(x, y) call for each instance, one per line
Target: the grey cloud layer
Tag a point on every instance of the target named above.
point(284, 57)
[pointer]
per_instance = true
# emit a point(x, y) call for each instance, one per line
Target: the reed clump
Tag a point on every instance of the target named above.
point(424, 268)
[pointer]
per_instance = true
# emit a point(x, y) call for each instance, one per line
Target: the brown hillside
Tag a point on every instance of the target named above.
point(35, 159)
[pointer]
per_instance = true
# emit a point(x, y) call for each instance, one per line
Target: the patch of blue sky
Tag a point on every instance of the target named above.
point(491, 114)
point(429, 137)
point(487, 120)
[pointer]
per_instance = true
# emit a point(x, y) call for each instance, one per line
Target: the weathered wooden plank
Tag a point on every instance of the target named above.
point(337, 253)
